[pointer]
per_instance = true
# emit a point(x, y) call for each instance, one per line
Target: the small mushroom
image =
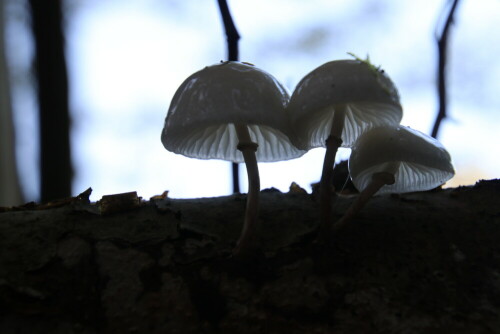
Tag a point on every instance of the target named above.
point(232, 111)
point(333, 105)
point(395, 159)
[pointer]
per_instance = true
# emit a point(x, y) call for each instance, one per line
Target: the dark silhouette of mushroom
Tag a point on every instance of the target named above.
point(333, 105)
point(395, 159)
point(232, 111)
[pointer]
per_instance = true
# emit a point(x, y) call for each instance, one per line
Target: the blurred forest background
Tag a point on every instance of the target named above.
point(126, 58)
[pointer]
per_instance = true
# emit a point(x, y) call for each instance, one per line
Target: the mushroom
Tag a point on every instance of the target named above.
point(395, 159)
point(333, 105)
point(232, 111)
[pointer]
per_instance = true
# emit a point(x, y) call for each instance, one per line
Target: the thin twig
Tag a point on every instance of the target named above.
point(231, 31)
point(442, 43)
point(232, 55)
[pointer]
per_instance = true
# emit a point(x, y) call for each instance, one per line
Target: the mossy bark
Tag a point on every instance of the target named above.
point(416, 263)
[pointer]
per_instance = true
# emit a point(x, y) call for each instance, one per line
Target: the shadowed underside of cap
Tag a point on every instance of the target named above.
point(359, 118)
point(220, 142)
point(421, 162)
point(410, 177)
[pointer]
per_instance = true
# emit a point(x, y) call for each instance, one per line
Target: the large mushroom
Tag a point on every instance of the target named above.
point(395, 159)
point(333, 105)
point(232, 111)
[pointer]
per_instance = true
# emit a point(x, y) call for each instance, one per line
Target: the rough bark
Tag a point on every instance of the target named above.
point(416, 263)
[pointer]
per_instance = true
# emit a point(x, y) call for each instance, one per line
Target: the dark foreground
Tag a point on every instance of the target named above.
point(416, 263)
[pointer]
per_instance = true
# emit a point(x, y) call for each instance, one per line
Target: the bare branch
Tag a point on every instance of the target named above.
point(232, 55)
point(442, 43)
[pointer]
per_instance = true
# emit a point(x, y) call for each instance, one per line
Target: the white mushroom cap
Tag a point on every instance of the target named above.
point(370, 98)
point(417, 161)
point(200, 120)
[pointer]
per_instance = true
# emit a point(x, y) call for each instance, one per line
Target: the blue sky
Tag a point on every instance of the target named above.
point(126, 59)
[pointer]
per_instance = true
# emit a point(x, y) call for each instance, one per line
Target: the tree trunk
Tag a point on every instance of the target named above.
point(425, 262)
point(10, 190)
point(55, 157)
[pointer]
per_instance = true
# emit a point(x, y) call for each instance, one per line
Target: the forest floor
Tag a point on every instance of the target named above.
point(426, 262)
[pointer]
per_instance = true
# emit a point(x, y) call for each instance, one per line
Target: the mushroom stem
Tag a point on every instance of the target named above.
point(248, 237)
point(378, 181)
point(333, 143)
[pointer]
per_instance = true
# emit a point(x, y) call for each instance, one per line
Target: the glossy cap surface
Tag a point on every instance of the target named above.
point(370, 98)
point(418, 162)
point(200, 120)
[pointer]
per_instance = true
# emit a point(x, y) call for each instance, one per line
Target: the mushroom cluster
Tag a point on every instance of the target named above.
point(237, 112)
point(333, 105)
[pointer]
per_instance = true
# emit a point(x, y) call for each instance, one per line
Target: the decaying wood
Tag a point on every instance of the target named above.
point(416, 263)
